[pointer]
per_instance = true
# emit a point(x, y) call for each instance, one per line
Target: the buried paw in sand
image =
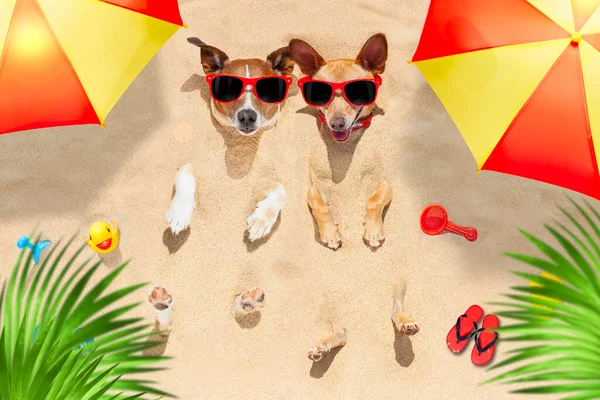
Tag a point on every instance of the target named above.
point(344, 92)
point(265, 214)
point(373, 221)
point(250, 301)
point(403, 322)
point(338, 338)
point(246, 99)
point(183, 203)
point(162, 302)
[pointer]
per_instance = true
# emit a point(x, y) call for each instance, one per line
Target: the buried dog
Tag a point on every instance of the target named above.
point(344, 92)
point(246, 100)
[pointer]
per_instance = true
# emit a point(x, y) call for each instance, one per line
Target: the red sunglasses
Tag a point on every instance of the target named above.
point(226, 88)
point(358, 92)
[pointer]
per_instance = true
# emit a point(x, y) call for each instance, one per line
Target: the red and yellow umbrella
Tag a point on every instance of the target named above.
point(521, 81)
point(67, 62)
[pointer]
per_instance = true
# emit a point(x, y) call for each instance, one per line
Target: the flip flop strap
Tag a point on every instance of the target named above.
point(470, 335)
point(489, 345)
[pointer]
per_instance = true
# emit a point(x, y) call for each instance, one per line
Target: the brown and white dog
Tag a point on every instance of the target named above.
point(247, 117)
point(342, 124)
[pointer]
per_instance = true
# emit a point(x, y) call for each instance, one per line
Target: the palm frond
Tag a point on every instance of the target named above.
point(557, 324)
point(43, 326)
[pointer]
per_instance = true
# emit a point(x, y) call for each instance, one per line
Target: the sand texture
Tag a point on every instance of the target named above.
point(66, 178)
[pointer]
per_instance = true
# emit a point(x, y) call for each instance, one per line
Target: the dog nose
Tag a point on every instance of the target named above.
point(337, 123)
point(247, 116)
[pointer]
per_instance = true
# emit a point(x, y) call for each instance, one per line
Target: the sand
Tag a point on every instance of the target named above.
point(65, 178)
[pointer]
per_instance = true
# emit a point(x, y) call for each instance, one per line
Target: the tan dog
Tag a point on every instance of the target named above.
point(342, 124)
point(246, 112)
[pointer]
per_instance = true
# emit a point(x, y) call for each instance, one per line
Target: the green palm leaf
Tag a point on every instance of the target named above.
point(560, 351)
point(44, 325)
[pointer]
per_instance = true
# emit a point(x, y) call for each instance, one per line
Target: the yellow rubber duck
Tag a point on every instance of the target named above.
point(103, 237)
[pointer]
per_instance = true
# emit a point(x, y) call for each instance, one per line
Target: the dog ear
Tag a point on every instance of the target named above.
point(281, 61)
point(373, 55)
point(213, 60)
point(306, 57)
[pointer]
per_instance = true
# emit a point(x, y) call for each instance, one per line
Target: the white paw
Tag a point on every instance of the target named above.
point(179, 215)
point(260, 223)
point(182, 206)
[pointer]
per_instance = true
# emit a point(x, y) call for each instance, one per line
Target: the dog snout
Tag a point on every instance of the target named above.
point(246, 121)
point(337, 123)
point(247, 117)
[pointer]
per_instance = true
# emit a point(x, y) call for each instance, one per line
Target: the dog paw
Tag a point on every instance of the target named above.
point(262, 220)
point(260, 223)
point(179, 215)
point(330, 236)
point(409, 328)
point(373, 235)
point(159, 294)
point(250, 300)
point(317, 353)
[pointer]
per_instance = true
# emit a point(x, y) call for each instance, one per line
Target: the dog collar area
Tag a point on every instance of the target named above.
point(358, 124)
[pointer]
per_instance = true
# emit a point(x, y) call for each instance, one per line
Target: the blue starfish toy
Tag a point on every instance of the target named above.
point(37, 248)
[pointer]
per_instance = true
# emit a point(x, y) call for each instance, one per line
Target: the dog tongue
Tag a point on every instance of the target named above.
point(340, 136)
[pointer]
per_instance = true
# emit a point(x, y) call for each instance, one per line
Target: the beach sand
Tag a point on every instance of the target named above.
point(65, 178)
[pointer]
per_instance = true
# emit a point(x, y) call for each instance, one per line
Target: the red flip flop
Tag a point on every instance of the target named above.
point(485, 341)
point(465, 329)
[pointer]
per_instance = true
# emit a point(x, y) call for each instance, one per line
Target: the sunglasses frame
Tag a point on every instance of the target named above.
point(340, 86)
point(249, 81)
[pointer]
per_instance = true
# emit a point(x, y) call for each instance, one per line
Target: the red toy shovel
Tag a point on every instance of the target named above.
point(434, 220)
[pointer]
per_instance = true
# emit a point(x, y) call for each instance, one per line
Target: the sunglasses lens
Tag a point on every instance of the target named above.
point(271, 90)
point(226, 88)
point(360, 92)
point(317, 93)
